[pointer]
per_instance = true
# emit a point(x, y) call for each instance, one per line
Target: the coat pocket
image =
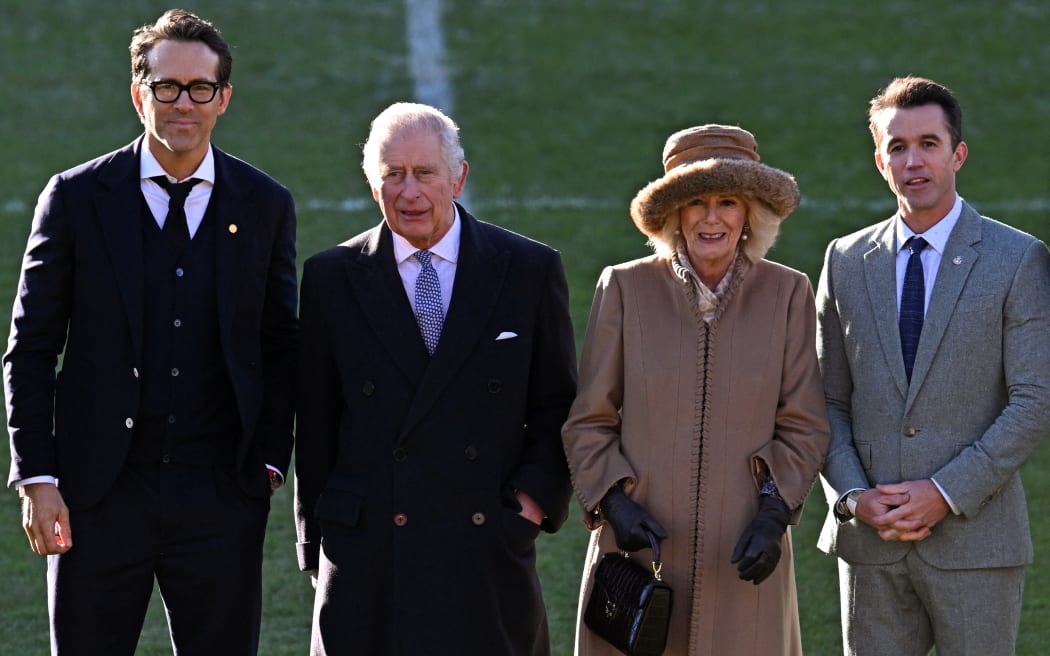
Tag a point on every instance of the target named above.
point(519, 533)
point(339, 506)
point(864, 453)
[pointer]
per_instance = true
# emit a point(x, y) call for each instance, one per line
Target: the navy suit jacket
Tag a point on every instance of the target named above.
point(82, 291)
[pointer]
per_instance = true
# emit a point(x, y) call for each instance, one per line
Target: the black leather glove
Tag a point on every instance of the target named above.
point(758, 550)
point(631, 523)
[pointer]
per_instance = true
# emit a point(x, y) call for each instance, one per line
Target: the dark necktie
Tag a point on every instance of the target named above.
point(175, 229)
point(913, 300)
point(430, 314)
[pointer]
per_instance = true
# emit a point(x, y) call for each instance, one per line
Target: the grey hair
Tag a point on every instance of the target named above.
point(407, 117)
point(762, 222)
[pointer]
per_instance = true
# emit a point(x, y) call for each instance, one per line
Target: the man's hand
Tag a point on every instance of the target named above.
point(45, 519)
point(313, 578)
point(530, 510)
point(914, 519)
point(874, 503)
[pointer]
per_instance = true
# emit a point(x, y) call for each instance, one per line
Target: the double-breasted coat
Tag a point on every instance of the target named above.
point(695, 416)
point(407, 464)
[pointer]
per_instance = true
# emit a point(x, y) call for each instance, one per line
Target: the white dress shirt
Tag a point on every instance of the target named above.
point(937, 238)
point(157, 196)
point(446, 255)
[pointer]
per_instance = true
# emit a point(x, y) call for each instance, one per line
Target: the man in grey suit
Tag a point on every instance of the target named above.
point(933, 412)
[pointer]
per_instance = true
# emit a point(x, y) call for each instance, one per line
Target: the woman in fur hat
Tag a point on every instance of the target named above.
point(700, 413)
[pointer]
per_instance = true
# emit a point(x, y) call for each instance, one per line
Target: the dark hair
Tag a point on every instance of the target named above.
point(913, 91)
point(178, 25)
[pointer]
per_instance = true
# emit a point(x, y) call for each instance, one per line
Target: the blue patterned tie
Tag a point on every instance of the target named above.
point(913, 301)
point(429, 312)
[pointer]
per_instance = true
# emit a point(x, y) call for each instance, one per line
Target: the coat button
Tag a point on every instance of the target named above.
point(369, 388)
point(400, 455)
point(129, 422)
point(495, 386)
point(135, 372)
point(165, 458)
point(478, 519)
point(400, 519)
point(471, 452)
point(911, 431)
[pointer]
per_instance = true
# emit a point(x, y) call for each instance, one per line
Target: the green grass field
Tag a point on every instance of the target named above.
point(564, 108)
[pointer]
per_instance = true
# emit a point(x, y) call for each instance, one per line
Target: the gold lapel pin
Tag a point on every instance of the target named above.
point(233, 230)
point(957, 260)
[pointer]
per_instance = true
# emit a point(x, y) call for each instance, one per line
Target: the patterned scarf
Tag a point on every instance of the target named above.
point(707, 299)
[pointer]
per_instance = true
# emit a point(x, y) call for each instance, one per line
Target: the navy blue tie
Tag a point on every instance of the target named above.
point(175, 229)
point(913, 301)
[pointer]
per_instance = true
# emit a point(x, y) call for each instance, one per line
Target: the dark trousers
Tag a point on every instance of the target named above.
point(190, 529)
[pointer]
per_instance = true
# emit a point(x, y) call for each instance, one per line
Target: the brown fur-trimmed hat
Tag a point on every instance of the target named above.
point(711, 159)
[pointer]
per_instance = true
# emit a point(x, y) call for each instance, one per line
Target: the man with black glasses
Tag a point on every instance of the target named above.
point(165, 271)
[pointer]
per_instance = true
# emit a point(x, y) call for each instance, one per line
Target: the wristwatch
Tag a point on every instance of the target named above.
point(848, 506)
point(851, 501)
point(275, 480)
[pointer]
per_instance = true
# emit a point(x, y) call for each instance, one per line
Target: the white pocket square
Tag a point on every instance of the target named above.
point(506, 334)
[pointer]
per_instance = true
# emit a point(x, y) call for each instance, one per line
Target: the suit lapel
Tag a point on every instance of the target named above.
point(375, 281)
point(234, 231)
point(880, 274)
point(119, 205)
point(120, 209)
point(480, 273)
point(957, 261)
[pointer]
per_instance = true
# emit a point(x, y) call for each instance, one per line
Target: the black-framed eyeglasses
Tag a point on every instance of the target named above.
point(167, 91)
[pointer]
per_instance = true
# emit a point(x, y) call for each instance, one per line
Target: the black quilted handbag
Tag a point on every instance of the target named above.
point(630, 606)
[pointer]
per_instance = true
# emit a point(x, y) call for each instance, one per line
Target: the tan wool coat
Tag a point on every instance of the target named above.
point(696, 416)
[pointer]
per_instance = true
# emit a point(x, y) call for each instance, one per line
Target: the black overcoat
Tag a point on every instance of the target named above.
point(407, 464)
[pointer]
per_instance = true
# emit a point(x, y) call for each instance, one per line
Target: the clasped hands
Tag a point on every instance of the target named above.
point(905, 511)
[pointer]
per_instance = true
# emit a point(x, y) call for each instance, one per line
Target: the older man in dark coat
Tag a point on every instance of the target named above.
point(438, 367)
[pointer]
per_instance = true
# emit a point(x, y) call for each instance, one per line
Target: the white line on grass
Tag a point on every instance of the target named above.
point(426, 58)
point(876, 207)
point(426, 50)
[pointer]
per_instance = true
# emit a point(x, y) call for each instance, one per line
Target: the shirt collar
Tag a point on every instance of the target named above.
point(149, 167)
point(937, 236)
point(447, 248)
